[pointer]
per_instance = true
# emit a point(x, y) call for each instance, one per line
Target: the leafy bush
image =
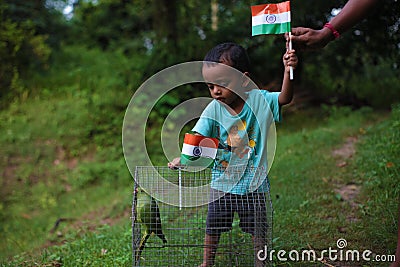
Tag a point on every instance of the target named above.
point(18, 42)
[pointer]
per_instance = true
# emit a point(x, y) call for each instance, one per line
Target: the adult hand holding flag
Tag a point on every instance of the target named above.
point(272, 19)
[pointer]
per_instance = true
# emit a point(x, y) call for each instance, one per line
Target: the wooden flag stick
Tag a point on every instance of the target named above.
point(290, 48)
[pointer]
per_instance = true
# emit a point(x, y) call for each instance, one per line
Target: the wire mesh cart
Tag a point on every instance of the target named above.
point(170, 220)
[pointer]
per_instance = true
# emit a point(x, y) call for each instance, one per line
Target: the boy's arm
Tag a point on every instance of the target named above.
point(175, 163)
point(286, 95)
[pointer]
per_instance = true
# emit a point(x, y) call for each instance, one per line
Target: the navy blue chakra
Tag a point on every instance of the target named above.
point(197, 151)
point(270, 18)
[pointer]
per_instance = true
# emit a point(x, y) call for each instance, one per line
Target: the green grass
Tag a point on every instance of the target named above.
point(52, 170)
point(303, 179)
point(378, 167)
point(108, 246)
point(309, 213)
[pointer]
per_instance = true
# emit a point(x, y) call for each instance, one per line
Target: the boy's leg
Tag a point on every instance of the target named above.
point(259, 244)
point(210, 249)
point(260, 238)
point(219, 220)
point(253, 220)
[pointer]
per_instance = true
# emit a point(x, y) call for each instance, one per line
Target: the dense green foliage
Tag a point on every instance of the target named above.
point(162, 33)
point(28, 33)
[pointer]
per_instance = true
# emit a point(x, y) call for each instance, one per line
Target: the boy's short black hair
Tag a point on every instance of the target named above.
point(230, 54)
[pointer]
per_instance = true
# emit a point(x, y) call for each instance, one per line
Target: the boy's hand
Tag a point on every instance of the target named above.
point(290, 60)
point(175, 163)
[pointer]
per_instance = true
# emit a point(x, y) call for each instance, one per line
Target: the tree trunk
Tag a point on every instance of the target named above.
point(214, 15)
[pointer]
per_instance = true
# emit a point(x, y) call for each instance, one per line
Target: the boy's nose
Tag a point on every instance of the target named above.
point(217, 90)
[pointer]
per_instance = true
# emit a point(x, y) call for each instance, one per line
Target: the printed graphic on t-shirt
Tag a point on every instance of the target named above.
point(238, 147)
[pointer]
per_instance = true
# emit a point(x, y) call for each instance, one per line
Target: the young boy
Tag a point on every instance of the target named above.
point(240, 117)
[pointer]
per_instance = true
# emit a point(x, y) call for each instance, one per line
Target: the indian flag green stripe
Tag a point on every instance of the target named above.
point(271, 28)
point(196, 161)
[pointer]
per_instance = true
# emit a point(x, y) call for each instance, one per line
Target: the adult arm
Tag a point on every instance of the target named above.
point(353, 12)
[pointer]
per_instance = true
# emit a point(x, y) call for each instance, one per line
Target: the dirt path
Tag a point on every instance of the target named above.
point(347, 192)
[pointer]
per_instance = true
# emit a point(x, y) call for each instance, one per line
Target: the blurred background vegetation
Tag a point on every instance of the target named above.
point(146, 36)
point(69, 68)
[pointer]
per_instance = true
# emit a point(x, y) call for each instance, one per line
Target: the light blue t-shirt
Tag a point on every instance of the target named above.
point(241, 164)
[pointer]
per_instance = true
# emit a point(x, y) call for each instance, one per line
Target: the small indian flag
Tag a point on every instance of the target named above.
point(271, 18)
point(198, 150)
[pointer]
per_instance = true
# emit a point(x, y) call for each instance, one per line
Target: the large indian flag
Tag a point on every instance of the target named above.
point(198, 150)
point(271, 18)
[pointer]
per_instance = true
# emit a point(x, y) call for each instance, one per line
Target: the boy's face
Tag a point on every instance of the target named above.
point(224, 82)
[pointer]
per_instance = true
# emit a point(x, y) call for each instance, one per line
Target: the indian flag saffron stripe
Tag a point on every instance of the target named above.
point(271, 18)
point(270, 8)
point(196, 140)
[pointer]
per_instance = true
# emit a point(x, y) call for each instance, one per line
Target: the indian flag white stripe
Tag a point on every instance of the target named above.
point(271, 18)
point(199, 151)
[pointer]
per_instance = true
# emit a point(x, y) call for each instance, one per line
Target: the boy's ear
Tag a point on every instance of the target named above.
point(246, 79)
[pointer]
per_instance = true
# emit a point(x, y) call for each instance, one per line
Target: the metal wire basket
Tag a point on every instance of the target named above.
point(169, 219)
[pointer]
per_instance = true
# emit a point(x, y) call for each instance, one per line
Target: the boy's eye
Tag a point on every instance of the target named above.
point(220, 84)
